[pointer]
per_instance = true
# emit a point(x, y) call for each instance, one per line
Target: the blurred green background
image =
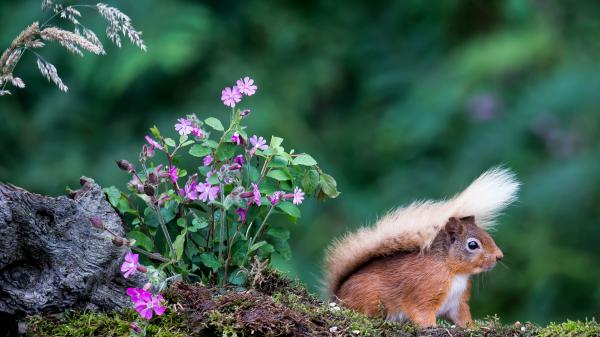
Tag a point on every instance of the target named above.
point(399, 100)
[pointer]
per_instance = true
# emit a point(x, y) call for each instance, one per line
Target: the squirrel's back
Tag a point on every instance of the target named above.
point(414, 227)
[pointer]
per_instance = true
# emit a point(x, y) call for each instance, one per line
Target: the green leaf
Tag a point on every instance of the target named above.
point(213, 180)
point(237, 278)
point(304, 159)
point(225, 151)
point(257, 245)
point(279, 233)
point(155, 132)
point(278, 162)
point(181, 222)
point(281, 175)
point(113, 194)
point(199, 151)
point(141, 240)
point(283, 248)
point(170, 142)
point(310, 181)
point(214, 123)
point(289, 208)
point(275, 141)
point(198, 224)
point(211, 143)
point(329, 185)
point(179, 244)
point(209, 260)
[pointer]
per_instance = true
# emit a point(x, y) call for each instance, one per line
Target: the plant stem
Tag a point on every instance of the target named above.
point(153, 256)
point(165, 231)
point(262, 225)
point(223, 224)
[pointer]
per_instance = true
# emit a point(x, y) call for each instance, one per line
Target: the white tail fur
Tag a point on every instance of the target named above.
point(415, 227)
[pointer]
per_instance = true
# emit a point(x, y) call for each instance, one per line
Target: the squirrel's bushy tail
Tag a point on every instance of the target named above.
point(414, 227)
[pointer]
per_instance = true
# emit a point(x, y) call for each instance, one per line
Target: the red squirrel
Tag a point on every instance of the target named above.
point(415, 263)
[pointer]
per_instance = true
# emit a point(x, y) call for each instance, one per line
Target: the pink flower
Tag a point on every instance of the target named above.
point(255, 194)
point(239, 159)
point(242, 213)
point(173, 174)
point(145, 303)
point(130, 264)
point(134, 293)
point(189, 190)
point(275, 197)
point(207, 192)
point(236, 138)
point(231, 96)
point(184, 127)
point(257, 143)
point(298, 196)
point(207, 160)
point(246, 86)
point(197, 132)
point(153, 143)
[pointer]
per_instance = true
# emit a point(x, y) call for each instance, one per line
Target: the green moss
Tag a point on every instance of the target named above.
point(571, 328)
point(87, 323)
point(285, 310)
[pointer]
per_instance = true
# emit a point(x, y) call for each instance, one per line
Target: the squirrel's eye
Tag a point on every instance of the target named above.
point(472, 245)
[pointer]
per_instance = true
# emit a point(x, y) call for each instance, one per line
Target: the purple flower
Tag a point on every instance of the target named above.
point(207, 160)
point(207, 192)
point(242, 212)
point(236, 138)
point(298, 196)
point(184, 127)
point(153, 143)
point(231, 96)
point(189, 190)
point(197, 132)
point(173, 174)
point(246, 86)
point(275, 197)
point(145, 303)
point(239, 159)
point(134, 293)
point(255, 194)
point(130, 264)
point(257, 143)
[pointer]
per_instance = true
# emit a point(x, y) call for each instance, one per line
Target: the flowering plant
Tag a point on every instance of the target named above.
point(207, 221)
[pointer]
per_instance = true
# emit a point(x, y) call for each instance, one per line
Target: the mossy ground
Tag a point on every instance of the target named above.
point(273, 306)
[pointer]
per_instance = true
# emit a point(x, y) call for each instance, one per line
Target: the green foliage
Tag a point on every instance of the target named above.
point(277, 306)
point(210, 223)
point(398, 100)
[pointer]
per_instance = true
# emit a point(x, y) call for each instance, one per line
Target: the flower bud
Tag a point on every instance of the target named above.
point(245, 113)
point(153, 178)
point(234, 167)
point(97, 222)
point(149, 190)
point(147, 286)
point(141, 268)
point(135, 328)
point(125, 165)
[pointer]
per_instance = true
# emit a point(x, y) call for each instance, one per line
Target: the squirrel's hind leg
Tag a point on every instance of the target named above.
point(423, 318)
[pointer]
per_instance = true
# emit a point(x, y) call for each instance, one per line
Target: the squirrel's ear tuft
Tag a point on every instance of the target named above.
point(454, 228)
point(468, 219)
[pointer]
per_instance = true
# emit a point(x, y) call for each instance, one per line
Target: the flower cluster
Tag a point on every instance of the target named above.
point(145, 303)
point(207, 218)
point(233, 95)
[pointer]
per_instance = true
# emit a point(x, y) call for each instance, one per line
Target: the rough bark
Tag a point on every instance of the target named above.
point(51, 258)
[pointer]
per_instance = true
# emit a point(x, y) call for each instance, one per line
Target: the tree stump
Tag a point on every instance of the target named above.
point(52, 259)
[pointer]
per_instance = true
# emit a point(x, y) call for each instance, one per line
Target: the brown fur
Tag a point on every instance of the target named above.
point(416, 284)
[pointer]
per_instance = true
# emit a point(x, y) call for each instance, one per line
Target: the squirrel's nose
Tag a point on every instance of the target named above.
point(499, 257)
